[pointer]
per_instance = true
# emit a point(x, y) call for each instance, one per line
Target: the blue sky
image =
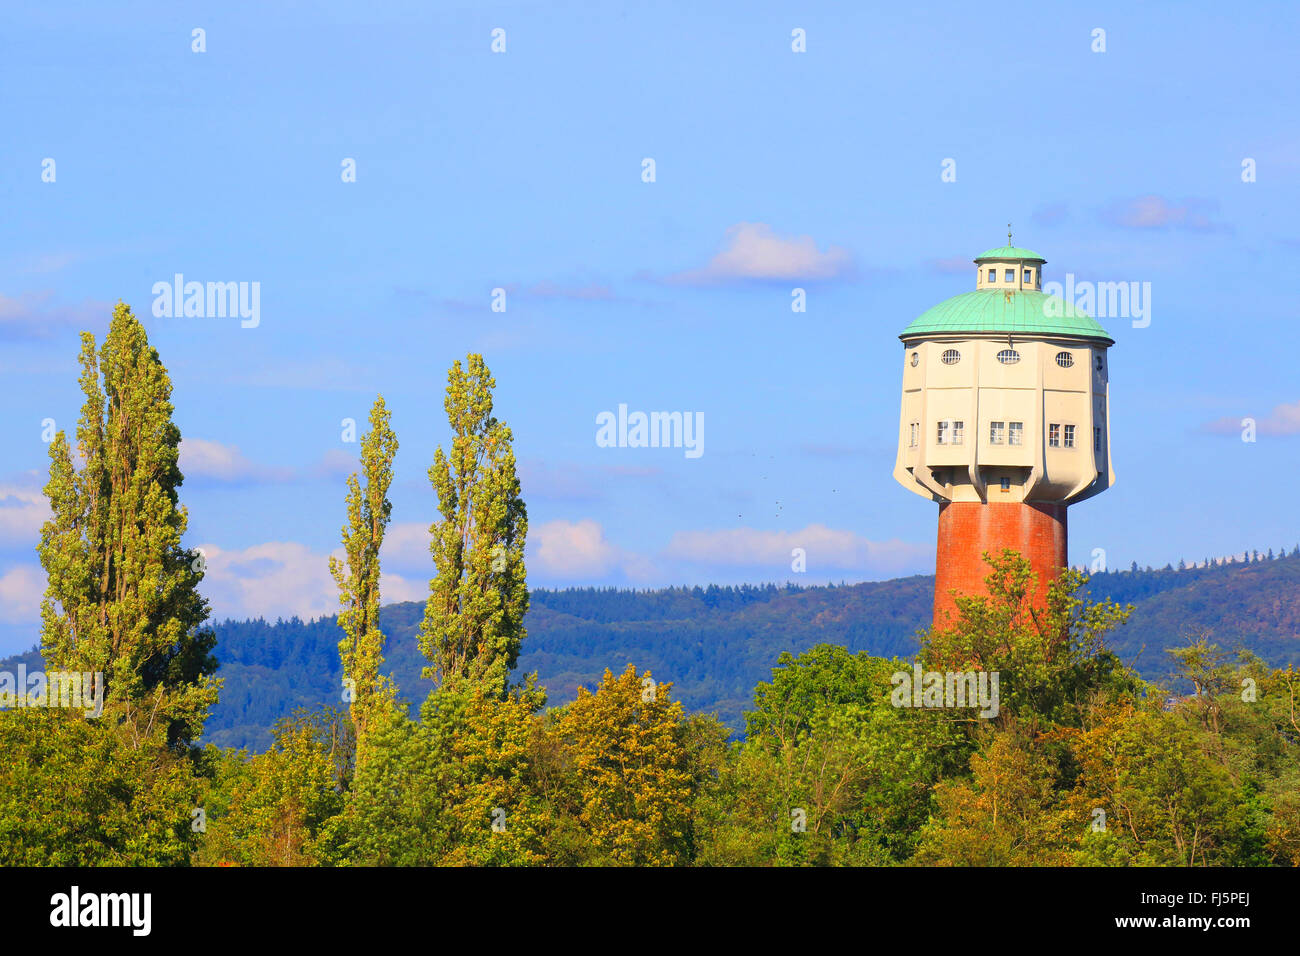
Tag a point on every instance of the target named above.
point(522, 170)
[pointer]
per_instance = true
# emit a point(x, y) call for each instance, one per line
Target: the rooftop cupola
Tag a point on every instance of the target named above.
point(1004, 422)
point(1009, 267)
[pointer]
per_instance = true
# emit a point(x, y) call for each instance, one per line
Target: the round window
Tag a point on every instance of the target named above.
point(1064, 359)
point(1008, 356)
point(916, 357)
point(951, 357)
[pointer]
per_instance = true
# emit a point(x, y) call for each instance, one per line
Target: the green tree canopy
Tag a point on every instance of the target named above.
point(473, 624)
point(122, 597)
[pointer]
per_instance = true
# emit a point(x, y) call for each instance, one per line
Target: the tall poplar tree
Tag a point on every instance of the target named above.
point(474, 620)
point(122, 597)
point(361, 648)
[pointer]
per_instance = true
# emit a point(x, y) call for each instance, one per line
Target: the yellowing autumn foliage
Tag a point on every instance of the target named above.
point(631, 776)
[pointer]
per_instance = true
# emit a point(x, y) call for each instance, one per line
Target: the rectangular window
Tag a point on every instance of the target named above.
point(1006, 484)
point(1096, 439)
point(1069, 436)
point(1054, 436)
point(1011, 275)
point(943, 433)
point(957, 428)
point(1029, 277)
point(1016, 433)
point(913, 431)
point(993, 275)
point(997, 432)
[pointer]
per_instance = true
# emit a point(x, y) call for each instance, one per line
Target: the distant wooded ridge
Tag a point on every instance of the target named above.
point(716, 643)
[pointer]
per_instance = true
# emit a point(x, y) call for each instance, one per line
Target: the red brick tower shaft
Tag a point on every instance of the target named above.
point(968, 528)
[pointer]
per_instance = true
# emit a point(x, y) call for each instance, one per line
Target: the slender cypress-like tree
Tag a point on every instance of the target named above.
point(122, 598)
point(361, 648)
point(474, 620)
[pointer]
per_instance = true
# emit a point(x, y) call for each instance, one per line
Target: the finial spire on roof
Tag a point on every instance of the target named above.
point(1008, 234)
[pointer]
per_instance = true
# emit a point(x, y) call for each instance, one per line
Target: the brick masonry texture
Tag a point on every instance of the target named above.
point(967, 529)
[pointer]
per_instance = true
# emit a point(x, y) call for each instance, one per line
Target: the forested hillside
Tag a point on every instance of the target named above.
point(716, 643)
point(1025, 725)
point(1255, 605)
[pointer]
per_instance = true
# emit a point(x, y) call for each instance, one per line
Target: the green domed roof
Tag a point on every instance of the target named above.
point(1006, 311)
point(1009, 252)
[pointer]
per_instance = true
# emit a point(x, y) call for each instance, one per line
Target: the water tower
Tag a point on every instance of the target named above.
point(1005, 420)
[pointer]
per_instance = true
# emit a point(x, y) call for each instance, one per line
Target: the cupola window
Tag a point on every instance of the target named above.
point(951, 357)
point(1008, 356)
point(1065, 359)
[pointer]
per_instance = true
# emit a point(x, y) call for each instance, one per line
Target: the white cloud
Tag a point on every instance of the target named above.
point(270, 580)
point(573, 550)
point(394, 588)
point(214, 461)
point(577, 553)
point(406, 548)
point(1282, 420)
point(275, 579)
point(753, 251)
point(21, 589)
point(204, 458)
point(769, 553)
point(281, 579)
point(22, 512)
point(286, 578)
point(564, 553)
